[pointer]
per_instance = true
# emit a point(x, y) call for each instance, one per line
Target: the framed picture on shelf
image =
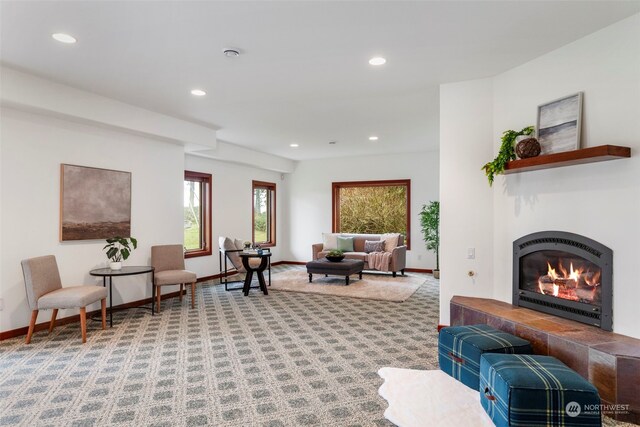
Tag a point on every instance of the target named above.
point(559, 123)
point(94, 203)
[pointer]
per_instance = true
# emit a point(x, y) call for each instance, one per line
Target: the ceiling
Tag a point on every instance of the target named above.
point(303, 74)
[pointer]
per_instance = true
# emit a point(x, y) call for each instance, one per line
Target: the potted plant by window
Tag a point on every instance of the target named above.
point(430, 223)
point(118, 249)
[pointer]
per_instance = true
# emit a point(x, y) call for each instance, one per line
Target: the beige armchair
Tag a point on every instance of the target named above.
point(45, 291)
point(229, 250)
point(168, 261)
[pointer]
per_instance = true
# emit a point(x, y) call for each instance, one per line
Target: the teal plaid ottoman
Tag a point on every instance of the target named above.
point(460, 348)
point(531, 390)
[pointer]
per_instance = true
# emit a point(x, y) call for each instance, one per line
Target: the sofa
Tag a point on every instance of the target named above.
point(397, 262)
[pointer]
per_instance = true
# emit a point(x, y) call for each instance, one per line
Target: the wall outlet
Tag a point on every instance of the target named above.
point(419, 257)
point(1, 304)
point(471, 253)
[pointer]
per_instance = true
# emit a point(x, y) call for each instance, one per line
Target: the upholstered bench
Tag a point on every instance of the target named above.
point(460, 348)
point(532, 390)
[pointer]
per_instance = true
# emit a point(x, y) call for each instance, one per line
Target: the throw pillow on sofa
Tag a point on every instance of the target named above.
point(345, 244)
point(390, 241)
point(329, 241)
point(373, 246)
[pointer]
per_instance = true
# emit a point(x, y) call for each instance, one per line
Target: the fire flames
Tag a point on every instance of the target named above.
point(574, 284)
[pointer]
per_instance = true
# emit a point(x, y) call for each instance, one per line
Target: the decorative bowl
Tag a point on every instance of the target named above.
point(335, 258)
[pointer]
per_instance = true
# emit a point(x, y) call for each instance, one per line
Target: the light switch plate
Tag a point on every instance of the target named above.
point(471, 253)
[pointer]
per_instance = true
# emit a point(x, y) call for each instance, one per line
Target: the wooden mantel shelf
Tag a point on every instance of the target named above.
point(568, 158)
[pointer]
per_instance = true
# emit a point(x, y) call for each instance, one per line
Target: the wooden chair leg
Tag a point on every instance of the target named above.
point(52, 324)
point(103, 306)
point(32, 325)
point(193, 295)
point(158, 298)
point(83, 323)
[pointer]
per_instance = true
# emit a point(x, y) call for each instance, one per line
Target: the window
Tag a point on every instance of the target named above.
point(197, 214)
point(264, 213)
point(372, 207)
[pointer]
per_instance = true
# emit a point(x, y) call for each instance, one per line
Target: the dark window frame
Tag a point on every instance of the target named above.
point(206, 203)
point(335, 200)
point(270, 186)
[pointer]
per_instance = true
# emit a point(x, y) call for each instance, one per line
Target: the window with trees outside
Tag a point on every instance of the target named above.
point(264, 213)
point(197, 214)
point(372, 207)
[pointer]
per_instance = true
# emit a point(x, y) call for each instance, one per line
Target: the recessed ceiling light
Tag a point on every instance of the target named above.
point(377, 60)
point(294, 145)
point(373, 138)
point(64, 38)
point(231, 52)
point(198, 92)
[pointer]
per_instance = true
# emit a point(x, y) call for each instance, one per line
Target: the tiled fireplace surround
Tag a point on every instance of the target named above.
point(608, 360)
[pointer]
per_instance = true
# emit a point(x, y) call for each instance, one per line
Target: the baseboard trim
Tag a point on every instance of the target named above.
point(76, 318)
point(216, 276)
point(288, 262)
point(409, 270)
point(418, 270)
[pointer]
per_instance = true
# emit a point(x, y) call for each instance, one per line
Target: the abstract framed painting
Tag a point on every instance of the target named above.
point(559, 124)
point(94, 203)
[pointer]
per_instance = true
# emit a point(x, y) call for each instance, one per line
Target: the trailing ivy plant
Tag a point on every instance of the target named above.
point(505, 154)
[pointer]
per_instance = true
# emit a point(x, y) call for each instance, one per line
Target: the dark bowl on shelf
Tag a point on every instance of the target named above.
point(335, 258)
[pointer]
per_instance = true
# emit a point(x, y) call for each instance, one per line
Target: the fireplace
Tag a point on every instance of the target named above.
point(564, 274)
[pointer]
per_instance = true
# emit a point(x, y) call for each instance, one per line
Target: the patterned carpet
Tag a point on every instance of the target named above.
point(286, 359)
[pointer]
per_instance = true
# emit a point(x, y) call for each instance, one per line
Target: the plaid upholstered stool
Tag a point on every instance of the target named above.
point(460, 348)
point(518, 390)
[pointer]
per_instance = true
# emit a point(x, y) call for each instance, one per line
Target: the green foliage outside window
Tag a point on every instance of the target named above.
point(192, 228)
point(260, 227)
point(261, 207)
point(373, 210)
point(192, 215)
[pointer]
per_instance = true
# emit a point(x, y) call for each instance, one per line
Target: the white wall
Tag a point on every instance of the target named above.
point(225, 152)
point(232, 199)
point(466, 199)
point(33, 147)
point(27, 92)
point(45, 124)
point(309, 202)
point(604, 198)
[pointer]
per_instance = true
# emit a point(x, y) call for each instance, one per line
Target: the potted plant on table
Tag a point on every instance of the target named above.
point(430, 223)
point(118, 249)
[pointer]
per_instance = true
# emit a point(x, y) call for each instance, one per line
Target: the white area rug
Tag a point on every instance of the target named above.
point(376, 287)
point(430, 398)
